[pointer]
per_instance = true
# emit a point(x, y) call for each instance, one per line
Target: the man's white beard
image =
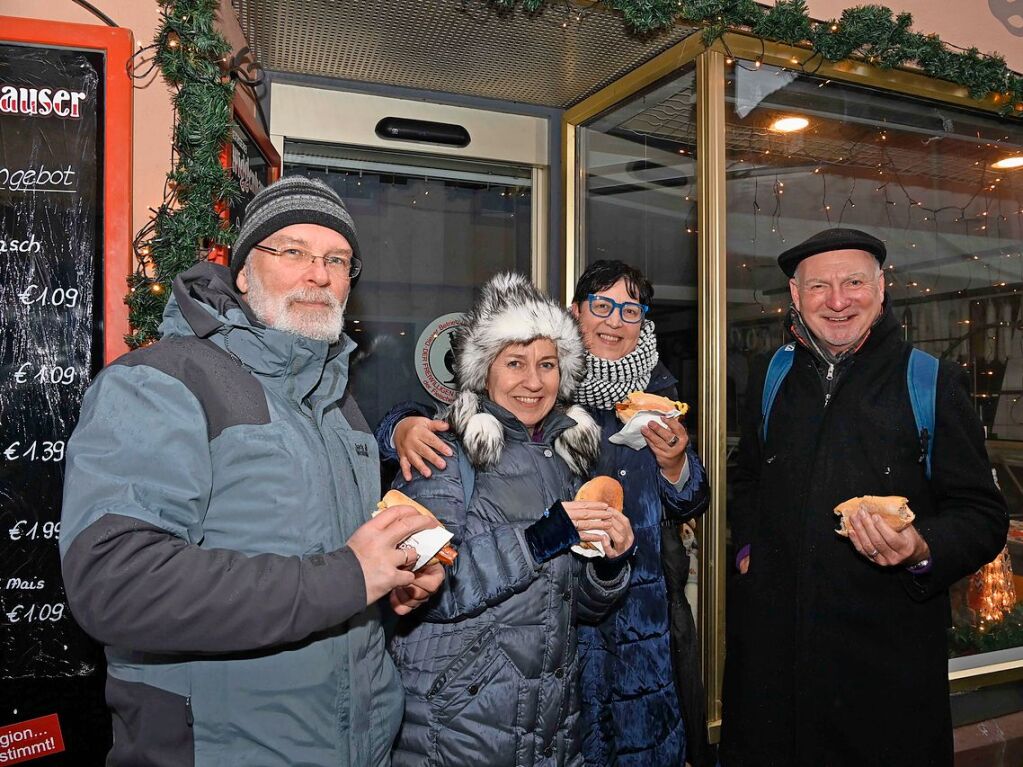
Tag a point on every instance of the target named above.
point(279, 312)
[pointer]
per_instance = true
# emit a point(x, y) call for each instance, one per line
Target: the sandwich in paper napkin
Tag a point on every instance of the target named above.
point(596, 547)
point(428, 544)
point(605, 490)
point(631, 435)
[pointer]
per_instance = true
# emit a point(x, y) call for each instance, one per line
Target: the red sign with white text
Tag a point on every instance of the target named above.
point(31, 739)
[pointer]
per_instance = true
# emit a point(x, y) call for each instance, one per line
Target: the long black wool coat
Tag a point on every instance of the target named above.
point(831, 659)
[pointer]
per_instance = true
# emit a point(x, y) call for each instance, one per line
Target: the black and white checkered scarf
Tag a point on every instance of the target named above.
point(609, 381)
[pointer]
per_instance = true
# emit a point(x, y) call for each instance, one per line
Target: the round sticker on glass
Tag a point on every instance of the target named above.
point(435, 360)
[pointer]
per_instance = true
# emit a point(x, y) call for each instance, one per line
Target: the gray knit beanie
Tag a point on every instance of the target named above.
point(292, 200)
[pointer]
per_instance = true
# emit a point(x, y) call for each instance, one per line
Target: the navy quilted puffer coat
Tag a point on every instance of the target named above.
point(639, 664)
point(489, 665)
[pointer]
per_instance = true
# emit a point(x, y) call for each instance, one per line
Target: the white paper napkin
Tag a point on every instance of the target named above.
point(426, 542)
point(630, 434)
point(591, 553)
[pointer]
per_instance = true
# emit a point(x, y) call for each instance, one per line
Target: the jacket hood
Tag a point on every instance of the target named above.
point(203, 300)
point(205, 303)
point(483, 426)
point(510, 310)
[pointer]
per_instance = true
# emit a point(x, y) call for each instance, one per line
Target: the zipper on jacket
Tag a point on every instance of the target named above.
point(435, 687)
point(189, 718)
point(829, 379)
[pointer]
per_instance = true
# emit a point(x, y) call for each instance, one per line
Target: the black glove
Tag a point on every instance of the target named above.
point(551, 535)
point(609, 569)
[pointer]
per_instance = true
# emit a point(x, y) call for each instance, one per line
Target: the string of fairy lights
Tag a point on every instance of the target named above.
point(193, 59)
point(983, 213)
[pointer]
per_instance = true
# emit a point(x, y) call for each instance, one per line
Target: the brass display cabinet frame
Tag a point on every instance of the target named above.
point(711, 266)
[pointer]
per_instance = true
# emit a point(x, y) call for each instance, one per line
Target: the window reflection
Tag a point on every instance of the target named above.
point(639, 162)
point(923, 178)
point(428, 238)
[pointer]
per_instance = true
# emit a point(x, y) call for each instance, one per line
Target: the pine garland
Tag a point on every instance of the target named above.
point(869, 32)
point(966, 640)
point(191, 55)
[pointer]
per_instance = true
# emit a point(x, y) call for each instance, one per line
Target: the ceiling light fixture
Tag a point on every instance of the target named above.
point(1016, 161)
point(789, 124)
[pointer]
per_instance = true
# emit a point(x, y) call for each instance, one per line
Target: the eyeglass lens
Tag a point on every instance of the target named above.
point(350, 266)
point(603, 307)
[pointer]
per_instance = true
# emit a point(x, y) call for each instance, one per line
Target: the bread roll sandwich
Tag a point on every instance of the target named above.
point(603, 490)
point(446, 555)
point(891, 508)
point(640, 400)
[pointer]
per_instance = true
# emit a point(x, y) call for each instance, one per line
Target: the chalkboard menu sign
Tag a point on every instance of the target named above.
point(49, 257)
point(53, 242)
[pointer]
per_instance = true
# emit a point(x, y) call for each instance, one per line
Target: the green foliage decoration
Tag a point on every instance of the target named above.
point(191, 55)
point(967, 640)
point(870, 32)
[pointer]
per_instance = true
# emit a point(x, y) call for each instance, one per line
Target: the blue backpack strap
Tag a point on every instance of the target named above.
point(922, 380)
point(780, 365)
point(466, 472)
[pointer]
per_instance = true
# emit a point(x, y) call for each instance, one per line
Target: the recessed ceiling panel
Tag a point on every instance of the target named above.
point(554, 58)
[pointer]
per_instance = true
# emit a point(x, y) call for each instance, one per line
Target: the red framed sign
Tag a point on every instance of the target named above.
point(65, 251)
point(253, 163)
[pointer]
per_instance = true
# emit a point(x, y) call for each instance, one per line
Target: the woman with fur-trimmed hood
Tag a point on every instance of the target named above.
point(489, 664)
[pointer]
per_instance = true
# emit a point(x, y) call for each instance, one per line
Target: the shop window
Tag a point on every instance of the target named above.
point(940, 186)
point(638, 165)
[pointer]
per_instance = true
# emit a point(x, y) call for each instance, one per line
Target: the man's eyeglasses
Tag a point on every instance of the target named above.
point(343, 266)
point(629, 311)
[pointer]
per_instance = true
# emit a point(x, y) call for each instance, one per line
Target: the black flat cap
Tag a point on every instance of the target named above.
point(827, 241)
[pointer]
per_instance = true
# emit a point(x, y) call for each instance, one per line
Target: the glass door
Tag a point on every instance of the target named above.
point(431, 229)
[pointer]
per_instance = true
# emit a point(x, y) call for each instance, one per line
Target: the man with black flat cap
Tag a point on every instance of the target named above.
point(836, 649)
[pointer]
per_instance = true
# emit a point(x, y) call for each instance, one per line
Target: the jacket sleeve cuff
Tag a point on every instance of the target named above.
point(608, 570)
point(922, 567)
point(385, 429)
point(552, 534)
point(683, 476)
point(336, 582)
point(609, 575)
point(743, 553)
point(690, 496)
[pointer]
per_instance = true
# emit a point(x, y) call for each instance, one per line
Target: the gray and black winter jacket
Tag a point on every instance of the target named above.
point(211, 484)
point(489, 664)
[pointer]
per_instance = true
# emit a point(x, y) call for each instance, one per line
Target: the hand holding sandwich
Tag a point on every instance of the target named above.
point(668, 438)
point(405, 599)
point(597, 508)
point(375, 543)
point(881, 529)
point(870, 533)
point(668, 444)
point(590, 517)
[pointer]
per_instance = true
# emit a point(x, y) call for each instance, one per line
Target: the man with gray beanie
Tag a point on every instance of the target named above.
point(216, 533)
